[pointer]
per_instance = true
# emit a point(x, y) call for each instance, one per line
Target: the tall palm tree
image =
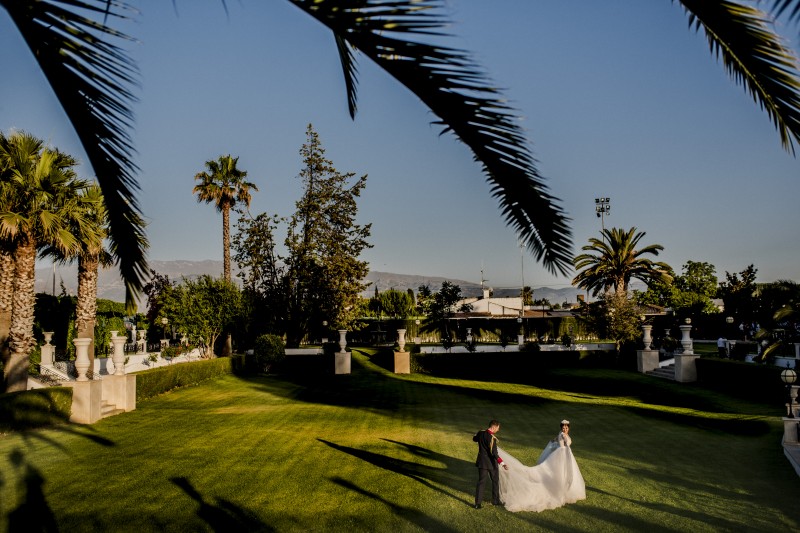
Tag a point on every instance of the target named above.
point(224, 185)
point(611, 262)
point(92, 76)
point(37, 192)
point(88, 222)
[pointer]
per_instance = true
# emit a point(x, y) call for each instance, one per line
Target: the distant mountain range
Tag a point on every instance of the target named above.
point(110, 286)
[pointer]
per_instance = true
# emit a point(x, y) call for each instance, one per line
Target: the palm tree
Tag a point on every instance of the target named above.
point(38, 191)
point(92, 76)
point(224, 185)
point(614, 260)
point(88, 222)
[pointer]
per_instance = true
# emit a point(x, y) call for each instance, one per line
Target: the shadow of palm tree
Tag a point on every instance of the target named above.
point(452, 475)
point(224, 516)
point(423, 521)
point(34, 513)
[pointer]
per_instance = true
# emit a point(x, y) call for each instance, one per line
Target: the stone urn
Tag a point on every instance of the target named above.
point(342, 357)
point(82, 357)
point(646, 337)
point(401, 339)
point(686, 340)
point(118, 357)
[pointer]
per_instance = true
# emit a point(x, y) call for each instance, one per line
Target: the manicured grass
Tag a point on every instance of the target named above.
point(377, 452)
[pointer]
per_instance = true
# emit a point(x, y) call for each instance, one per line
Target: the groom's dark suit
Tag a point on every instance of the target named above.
point(487, 463)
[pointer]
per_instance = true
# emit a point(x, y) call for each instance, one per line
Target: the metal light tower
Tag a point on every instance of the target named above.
point(602, 206)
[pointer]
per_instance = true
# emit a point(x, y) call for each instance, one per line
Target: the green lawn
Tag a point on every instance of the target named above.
point(373, 451)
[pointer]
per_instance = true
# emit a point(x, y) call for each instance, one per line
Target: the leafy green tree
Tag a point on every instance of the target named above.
point(689, 293)
point(395, 303)
point(443, 306)
point(320, 277)
point(615, 317)
point(39, 194)
point(202, 308)
point(224, 185)
point(424, 299)
point(261, 273)
point(611, 262)
point(154, 289)
point(739, 294)
point(323, 275)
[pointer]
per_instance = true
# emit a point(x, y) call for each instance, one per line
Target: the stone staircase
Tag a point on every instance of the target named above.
point(107, 409)
point(664, 372)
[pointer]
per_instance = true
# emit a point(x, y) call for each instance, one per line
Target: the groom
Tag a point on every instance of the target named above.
point(487, 463)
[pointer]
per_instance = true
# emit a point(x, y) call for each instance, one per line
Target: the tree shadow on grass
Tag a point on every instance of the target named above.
point(34, 513)
point(429, 476)
point(372, 388)
point(702, 517)
point(224, 516)
point(423, 521)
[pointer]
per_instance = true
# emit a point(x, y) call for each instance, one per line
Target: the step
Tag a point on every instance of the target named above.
point(665, 372)
point(107, 409)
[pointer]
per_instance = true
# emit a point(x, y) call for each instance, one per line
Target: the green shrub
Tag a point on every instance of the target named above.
point(743, 380)
point(160, 380)
point(35, 408)
point(268, 351)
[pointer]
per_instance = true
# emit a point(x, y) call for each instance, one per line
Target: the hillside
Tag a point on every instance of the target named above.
point(110, 285)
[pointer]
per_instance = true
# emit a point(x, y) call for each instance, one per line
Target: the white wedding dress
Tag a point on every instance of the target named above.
point(554, 481)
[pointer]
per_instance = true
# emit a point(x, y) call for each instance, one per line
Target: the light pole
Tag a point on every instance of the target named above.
point(164, 322)
point(789, 376)
point(602, 207)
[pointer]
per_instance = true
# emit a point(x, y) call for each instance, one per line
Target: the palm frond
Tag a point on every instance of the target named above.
point(92, 79)
point(755, 57)
point(789, 7)
point(457, 91)
point(350, 71)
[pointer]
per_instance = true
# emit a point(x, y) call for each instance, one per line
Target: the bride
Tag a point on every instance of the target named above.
point(554, 481)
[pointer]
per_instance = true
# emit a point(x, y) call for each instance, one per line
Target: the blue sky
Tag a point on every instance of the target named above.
point(619, 99)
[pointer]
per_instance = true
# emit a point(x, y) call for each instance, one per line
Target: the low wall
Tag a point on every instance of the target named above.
point(595, 346)
point(139, 362)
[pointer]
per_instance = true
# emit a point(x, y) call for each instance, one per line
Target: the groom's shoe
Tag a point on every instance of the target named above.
point(477, 506)
point(496, 503)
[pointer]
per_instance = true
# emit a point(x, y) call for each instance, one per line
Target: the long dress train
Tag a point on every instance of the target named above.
point(554, 481)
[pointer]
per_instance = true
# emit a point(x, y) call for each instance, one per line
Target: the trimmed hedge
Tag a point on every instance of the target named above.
point(35, 408)
point(157, 381)
point(743, 380)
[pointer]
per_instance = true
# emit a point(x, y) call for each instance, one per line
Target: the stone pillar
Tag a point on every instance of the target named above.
point(401, 339)
point(686, 367)
point(86, 399)
point(797, 350)
point(118, 357)
point(342, 363)
point(790, 431)
point(402, 359)
point(82, 357)
point(648, 340)
point(48, 350)
point(520, 339)
point(686, 340)
point(646, 360)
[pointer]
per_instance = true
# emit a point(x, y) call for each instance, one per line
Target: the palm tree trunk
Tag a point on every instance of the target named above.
point(227, 349)
point(86, 307)
point(226, 242)
point(6, 294)
point(21, 328)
